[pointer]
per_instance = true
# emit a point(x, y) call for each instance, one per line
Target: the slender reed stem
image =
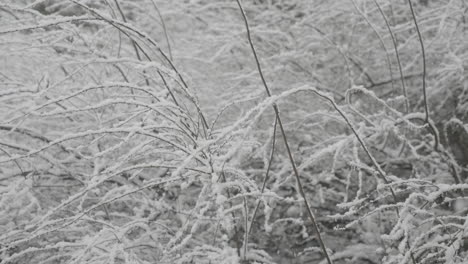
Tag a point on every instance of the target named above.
point(267, 174)
point(169, 50)
point(283, 133)
point(389, 63)
point(246, 234)
point(397, 54)
point(426, 108)
point(233, 215)
point(133, 41)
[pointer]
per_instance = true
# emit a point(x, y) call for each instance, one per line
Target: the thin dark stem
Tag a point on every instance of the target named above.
point(286, 144)
point(236, 230)
point(426, 108)
point(246, 234)
point(169, 50)
point(405, 93)
point(358, 137)
point(168, 89)
point(267, 174)
point(389, 64)
point(15, 161)
point(119, 48)
point(137, 53)
point(380, 83)
point(397, 54)
point(374, 162)
point(345, 57)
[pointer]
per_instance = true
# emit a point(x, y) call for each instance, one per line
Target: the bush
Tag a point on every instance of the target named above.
point(185, 132)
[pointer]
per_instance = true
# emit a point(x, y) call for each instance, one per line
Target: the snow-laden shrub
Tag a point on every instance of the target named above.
point(140, 132)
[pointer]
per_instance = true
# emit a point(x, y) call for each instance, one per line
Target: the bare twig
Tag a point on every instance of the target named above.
point(169, 50)
point(246, 234)
point(283, 133)
point(267, 174)
point(134, 44)
point(426, 109)
point(389, 63)
point(397, 54)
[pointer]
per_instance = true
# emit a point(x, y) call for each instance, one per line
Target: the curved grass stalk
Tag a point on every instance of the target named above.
point(123, 27)
point(169, 49)
point(134, 44)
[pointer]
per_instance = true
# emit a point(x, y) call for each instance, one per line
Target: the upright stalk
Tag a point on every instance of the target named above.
point(397, 54)
point(286, 144)
point(389, 64)
point(426, 108)
point(267, 174)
